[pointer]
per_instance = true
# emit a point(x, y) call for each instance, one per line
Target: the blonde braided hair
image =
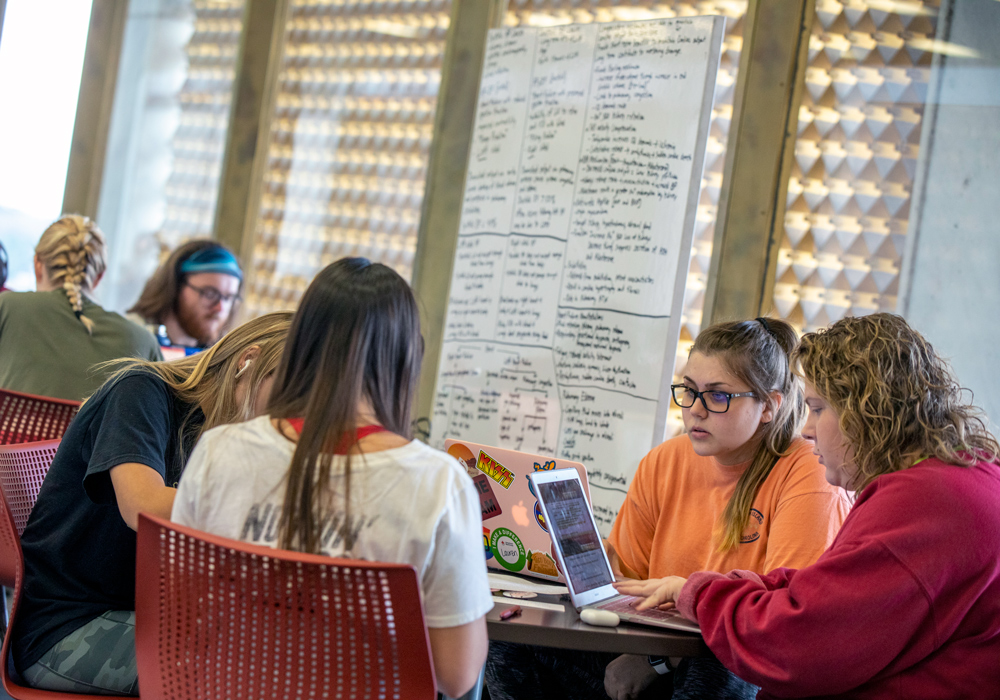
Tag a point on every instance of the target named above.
point(73, 253)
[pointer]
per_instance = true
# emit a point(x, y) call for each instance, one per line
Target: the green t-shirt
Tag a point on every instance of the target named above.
point(45, 349)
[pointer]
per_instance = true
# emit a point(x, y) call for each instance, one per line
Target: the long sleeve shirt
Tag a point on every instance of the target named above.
point(904, 604)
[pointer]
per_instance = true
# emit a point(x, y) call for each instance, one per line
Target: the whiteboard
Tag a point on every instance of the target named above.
point(574, 243)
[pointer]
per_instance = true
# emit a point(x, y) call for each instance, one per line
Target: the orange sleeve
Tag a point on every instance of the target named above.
point(808, 516)
point(632, 533)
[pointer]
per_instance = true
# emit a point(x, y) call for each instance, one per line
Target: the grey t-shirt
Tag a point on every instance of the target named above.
point(45, 349)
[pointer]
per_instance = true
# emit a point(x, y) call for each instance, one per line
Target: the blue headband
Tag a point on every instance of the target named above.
point(214, 259)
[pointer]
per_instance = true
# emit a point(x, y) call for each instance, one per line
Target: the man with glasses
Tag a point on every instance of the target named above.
point(191, 298)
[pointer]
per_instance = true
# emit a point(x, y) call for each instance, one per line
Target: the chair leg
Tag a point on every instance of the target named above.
point(475, 693)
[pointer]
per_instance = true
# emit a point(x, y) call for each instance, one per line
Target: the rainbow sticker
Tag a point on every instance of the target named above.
point(486, 543)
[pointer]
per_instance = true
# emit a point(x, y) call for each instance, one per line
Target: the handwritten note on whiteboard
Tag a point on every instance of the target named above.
point(575, 235)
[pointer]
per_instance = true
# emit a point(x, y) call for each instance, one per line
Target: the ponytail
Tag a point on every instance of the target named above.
point(73, 252)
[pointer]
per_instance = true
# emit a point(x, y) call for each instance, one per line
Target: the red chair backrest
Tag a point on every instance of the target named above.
point(219, 618)
point(27, 418)
point(22, 469)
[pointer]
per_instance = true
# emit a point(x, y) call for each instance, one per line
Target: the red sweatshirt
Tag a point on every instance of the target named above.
point(904, 604)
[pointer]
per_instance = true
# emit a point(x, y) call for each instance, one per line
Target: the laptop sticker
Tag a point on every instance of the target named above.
point(493, 469)
point(508, 549)
point(487, 499)
point(464, 455)
point(539, 517)
point(486, 543)
point(542, 563)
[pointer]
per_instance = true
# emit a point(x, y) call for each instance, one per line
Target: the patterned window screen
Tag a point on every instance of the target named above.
point(350, 140)
point(200, 139)
point(551, 12)
point(353, 125)
point(858, 138)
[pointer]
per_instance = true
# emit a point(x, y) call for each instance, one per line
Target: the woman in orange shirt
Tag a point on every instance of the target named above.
point(738, 490)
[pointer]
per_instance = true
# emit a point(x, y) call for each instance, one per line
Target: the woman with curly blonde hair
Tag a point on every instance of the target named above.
point(53, 340)
point(906, 602)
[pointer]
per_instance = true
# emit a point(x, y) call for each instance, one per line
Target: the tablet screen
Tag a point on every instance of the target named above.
point(574, 533)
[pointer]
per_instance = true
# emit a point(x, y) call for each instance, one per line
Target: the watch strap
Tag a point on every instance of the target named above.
point(660, 664)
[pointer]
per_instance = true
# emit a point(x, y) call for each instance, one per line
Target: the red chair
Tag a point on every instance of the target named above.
point(216, 618)
point(22, 468)
point(27, 418)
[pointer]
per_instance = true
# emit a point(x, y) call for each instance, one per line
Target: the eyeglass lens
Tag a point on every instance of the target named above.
point(213, 296)
point(715, 401)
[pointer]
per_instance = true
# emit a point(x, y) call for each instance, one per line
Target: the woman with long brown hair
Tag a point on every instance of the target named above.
point(332, 469)
point(739, 489)
point(906, 601)
point(123, 453)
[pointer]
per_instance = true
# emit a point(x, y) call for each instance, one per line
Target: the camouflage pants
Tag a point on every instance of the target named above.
point(98, 658)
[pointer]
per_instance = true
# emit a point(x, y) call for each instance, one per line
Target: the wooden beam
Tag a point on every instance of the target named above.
point(437, 236)
point(759, 158)
point(248, 138)
point(94, 106)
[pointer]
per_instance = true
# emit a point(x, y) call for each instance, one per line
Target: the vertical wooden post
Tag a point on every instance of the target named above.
point(249, 136)
point(437, 236)
point(94, 106)
point(759, 159)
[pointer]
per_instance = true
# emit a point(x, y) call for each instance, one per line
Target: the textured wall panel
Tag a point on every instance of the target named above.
point(855, 159)
point(200, 139)
point(349, 141)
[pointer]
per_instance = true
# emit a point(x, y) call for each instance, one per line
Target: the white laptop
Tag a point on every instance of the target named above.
point(581, 554)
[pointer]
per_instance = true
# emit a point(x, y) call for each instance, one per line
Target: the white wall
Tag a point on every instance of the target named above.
point(952, 290)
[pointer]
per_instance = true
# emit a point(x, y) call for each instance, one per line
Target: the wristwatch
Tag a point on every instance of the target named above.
point(661, 664)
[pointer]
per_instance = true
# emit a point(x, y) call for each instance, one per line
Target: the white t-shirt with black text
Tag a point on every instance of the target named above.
point(411, 504)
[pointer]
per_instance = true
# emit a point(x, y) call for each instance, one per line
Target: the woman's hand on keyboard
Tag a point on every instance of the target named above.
point(656, 592)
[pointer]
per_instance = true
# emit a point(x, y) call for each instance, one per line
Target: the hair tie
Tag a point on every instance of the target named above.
point(767, 326)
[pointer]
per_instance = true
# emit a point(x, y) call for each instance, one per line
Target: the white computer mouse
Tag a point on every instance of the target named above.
point(600, 618)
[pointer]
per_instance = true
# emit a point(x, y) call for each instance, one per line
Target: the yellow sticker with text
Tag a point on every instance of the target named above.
point(493, 469)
